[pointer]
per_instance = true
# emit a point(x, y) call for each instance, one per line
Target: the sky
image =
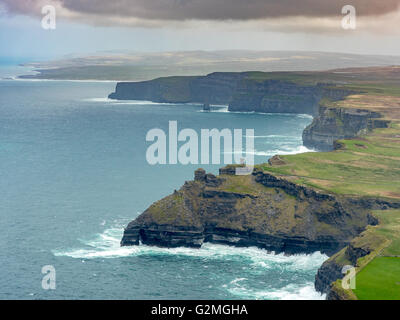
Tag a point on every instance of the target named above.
point(90, 26)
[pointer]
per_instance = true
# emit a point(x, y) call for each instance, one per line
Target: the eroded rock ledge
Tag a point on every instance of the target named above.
point(258, 210)
point(333, 123)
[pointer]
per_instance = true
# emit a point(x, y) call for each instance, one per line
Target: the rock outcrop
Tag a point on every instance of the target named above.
point(258, 210)
point(339, 123)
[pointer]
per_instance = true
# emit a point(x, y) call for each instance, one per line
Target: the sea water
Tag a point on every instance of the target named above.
point(73, 173)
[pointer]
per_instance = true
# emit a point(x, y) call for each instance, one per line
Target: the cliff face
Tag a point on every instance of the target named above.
point(276, 96)
point(338, 123)
point(259, 210)
point(215, 88)
point(238, 90)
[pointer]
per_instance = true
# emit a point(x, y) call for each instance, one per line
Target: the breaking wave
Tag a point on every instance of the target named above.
point(107, 245)
point(282, 151)
point(307, 291)
point(127, 102)
point(19, 78)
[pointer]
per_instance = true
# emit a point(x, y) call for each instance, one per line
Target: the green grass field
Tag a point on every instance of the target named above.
point(379, 280)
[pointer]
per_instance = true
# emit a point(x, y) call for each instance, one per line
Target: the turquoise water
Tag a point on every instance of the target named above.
point(73, 173)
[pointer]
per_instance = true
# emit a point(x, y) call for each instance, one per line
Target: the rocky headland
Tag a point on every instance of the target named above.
point(259, 210)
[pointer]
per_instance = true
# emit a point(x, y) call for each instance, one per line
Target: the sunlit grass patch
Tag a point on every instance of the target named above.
point(379, 280)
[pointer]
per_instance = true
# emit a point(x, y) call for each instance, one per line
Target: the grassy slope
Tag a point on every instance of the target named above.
point(379, 280)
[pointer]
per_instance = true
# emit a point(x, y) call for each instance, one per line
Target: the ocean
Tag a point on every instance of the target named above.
point(73, 173)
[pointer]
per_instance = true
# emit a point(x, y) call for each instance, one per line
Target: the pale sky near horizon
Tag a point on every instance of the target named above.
point(85, 27)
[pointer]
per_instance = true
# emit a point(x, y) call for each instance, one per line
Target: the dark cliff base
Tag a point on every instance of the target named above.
point(163, 236)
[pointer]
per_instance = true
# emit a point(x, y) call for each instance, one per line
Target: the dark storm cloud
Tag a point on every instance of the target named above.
point(208, 9)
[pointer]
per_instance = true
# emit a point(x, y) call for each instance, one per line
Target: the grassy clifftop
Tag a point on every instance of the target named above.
point(368, 165)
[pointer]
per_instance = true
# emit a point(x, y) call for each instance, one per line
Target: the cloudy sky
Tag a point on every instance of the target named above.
point(88, 26)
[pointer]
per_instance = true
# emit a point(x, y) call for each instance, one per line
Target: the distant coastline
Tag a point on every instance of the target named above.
point(146, 66)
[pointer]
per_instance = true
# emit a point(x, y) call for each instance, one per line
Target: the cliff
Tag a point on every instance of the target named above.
point(283, 95)
point(258, 210)
point(215, 88)
point(246, 91)
point(334, 123)
point(273, 96)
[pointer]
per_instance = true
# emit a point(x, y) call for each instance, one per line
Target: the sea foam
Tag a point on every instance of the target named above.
point(106, 245)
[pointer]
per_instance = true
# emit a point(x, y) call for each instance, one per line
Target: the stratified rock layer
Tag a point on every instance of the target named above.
point(241, 91)
point(258, 210)
point(333, 124)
